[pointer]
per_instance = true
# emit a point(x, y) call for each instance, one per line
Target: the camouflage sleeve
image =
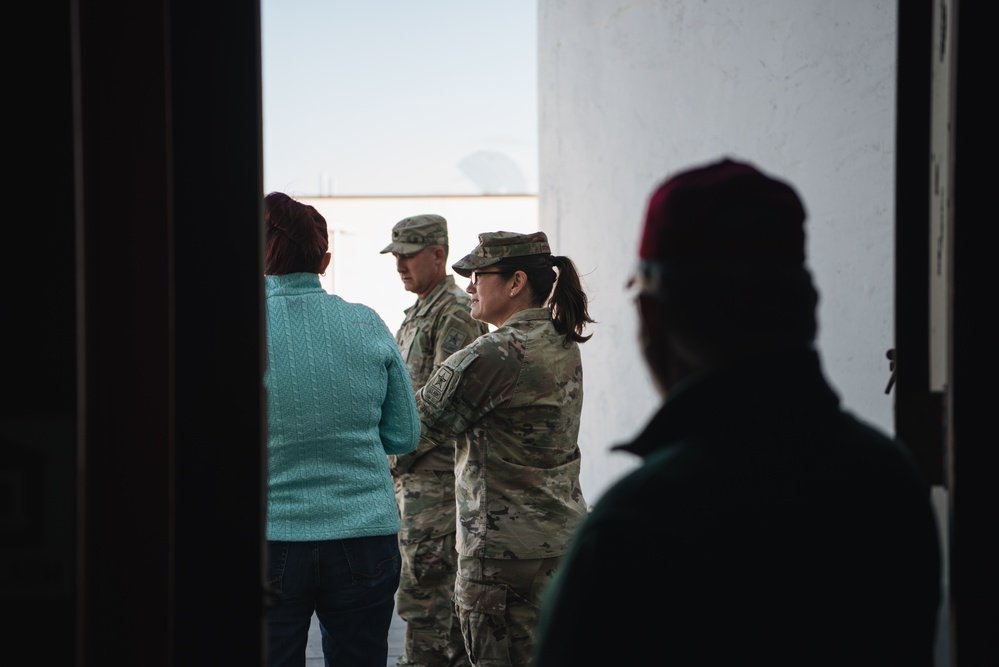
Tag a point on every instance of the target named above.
point(457, 329)
point(466, 387)
point(454, 330)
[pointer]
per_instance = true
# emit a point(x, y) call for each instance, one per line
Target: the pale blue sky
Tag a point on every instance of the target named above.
point(389, 97)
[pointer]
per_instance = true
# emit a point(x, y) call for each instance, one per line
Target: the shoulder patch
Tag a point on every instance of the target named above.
point(437, 387)
point(454, 340)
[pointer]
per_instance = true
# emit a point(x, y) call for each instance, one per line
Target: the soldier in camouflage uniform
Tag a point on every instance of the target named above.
point(436, 326)
point(513, 399)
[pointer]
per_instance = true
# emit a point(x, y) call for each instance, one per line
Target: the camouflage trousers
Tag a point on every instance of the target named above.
point(498, 603)
point(429, 563)
point(426, 585)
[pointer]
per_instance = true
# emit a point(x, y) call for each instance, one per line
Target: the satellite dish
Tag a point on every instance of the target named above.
point(494, 173)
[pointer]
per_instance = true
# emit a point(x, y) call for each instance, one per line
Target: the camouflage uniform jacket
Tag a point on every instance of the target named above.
point(514, 397)
point(434, 328)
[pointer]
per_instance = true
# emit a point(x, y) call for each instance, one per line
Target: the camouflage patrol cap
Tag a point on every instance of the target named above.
point(416, 232)
point(496, 246)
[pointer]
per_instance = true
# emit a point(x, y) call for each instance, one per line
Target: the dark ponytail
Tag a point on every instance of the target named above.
point(568, 302)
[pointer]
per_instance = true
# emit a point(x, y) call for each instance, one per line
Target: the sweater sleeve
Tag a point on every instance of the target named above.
point(400, 423)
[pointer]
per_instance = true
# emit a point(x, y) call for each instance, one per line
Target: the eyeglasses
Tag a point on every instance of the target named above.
point(476, 274)
point(647, 279)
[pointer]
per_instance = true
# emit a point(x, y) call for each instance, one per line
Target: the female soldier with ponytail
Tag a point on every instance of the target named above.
point(512, 398)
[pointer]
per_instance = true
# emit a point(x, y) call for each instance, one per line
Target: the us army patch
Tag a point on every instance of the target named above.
point(454, 340)
point(436, 388)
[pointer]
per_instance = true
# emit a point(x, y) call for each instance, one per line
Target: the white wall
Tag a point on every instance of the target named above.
point(633, 91)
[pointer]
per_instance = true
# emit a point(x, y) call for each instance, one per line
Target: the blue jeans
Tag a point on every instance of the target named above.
point(349, 584)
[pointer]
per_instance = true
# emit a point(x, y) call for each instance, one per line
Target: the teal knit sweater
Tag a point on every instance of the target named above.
point(339, 400)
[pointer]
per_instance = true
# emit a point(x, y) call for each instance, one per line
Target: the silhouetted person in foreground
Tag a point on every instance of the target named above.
point(766, 525)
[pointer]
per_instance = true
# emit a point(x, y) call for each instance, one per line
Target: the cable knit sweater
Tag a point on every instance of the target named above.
point(339, 399)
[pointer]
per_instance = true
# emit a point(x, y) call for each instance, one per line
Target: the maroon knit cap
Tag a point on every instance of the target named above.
point(726, 210)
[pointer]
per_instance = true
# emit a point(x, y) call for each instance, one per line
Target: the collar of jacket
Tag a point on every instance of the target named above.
point(766, 391)
point(424, 306)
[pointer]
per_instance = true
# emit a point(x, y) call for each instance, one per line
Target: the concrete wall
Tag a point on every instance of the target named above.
point(632, 91)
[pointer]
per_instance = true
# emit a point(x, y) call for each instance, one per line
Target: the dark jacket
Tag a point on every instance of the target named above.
point(765, 526)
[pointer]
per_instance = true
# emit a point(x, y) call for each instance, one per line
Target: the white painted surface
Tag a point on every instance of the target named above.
point(633, 91)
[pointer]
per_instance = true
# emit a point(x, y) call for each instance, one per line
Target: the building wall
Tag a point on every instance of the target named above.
point(631, 92)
